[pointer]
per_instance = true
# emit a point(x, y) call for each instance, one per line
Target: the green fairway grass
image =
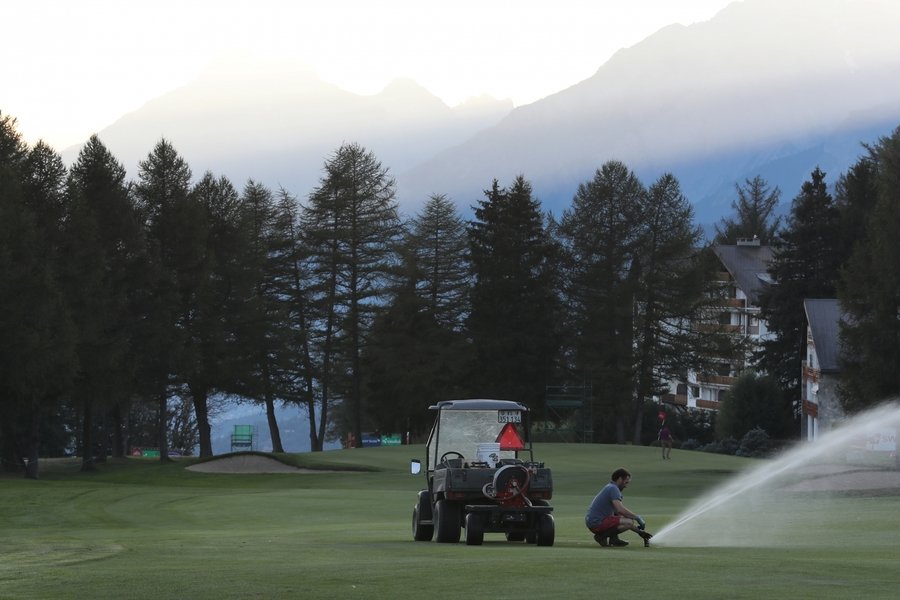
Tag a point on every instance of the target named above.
point(137, 529)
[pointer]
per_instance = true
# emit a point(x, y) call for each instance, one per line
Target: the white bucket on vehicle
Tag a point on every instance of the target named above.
point(489, 453)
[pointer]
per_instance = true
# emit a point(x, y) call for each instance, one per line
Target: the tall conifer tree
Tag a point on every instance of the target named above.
point(514, 307)
point(104, 247)
point(870, 292)
point(351, 227)
point(806, 262)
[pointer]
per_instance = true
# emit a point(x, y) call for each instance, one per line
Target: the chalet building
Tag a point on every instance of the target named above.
point(744, 274)
point(821, 405)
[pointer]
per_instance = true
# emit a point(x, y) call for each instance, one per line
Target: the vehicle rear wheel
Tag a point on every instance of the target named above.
point(447, 524)
point(546, 530)
point(531, 536)
point(474, 530)
point(422, 532)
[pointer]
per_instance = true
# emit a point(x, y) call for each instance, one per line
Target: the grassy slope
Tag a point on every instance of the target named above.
point(139, 529)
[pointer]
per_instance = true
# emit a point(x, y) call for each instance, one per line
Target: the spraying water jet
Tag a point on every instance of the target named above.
point(808, 495)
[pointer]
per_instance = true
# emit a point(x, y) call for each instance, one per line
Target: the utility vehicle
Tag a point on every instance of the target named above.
point(481, 476)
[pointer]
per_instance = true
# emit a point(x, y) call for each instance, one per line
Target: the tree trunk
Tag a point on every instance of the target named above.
point(620, 429)
point(273, 425)
point(162, 427)
point(87, 437)
point(638, 423)
point(33, 449)
point(118, 449)
point(9, 456)
point(199, 394)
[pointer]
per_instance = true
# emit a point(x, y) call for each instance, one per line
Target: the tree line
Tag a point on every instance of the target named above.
point(129, 306)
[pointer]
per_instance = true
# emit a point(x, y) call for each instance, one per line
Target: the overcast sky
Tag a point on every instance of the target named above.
point(69, 68)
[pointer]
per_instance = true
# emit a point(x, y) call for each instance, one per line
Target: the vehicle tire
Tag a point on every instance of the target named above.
point(546, 530)
point(474, 530)
point(447, 525)
point(515, 536)
point(531, 536)
point(422, 532)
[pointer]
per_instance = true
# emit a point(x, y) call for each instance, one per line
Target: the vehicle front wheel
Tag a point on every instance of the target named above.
point(474, 530)
point(422, 532)
point(447, 517)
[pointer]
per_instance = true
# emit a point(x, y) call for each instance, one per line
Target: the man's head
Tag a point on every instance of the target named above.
point(621, 477)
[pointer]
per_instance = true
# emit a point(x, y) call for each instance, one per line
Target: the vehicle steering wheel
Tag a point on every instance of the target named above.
point(451, 453)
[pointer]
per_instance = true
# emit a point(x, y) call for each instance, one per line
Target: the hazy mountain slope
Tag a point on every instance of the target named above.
point(277, 122)
point(766, 87)
point(773, 87)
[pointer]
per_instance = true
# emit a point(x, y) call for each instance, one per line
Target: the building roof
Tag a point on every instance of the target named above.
point(824, 317)
point(748, 264)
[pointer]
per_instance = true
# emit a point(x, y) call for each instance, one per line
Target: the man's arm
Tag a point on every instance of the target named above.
point(622, 510)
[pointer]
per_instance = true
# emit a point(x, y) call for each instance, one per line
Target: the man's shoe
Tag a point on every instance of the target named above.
point(603, 540)
point(616, 542)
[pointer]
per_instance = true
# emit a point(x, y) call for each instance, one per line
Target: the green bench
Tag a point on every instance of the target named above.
point(243, 437)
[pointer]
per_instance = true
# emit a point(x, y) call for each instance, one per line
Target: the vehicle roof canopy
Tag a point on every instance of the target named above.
point(478, 404)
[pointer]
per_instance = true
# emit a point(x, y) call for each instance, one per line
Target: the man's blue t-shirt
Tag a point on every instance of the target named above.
point(602, 505)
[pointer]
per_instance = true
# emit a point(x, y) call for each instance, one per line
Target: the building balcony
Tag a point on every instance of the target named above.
point(734, 302)
point(677, 399)
point(708, 404)
point(715, 379)
point(718, 328)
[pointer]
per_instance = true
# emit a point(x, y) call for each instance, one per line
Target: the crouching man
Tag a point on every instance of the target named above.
point(607, 517)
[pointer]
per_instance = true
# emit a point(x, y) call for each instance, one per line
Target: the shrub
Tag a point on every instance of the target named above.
point(755, 444)
point(690, 444)
point(727, 446)
point(754, 401)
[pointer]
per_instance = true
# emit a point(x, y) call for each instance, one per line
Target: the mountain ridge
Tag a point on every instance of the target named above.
point(766, 87)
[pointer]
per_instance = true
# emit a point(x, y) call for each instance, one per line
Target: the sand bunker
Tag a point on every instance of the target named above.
point(248, 463)
point(836, 478)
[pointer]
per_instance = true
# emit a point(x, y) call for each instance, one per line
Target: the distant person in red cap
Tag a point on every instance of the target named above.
point(665, 440)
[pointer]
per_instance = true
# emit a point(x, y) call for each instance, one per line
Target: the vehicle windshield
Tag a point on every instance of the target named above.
point(463, 430)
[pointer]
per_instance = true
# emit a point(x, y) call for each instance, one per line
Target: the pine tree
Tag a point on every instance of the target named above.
point(754, 214)
point(806, 261)
point(513, 302)
point(103, 249)
point(177, 227)
point(37, 359)
point(300, 374)
point(870, 291)
point(672, 293)
point(418, 354)
point(602, 235)
point(265, 333)
point(351, 227)
point(438, 240)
